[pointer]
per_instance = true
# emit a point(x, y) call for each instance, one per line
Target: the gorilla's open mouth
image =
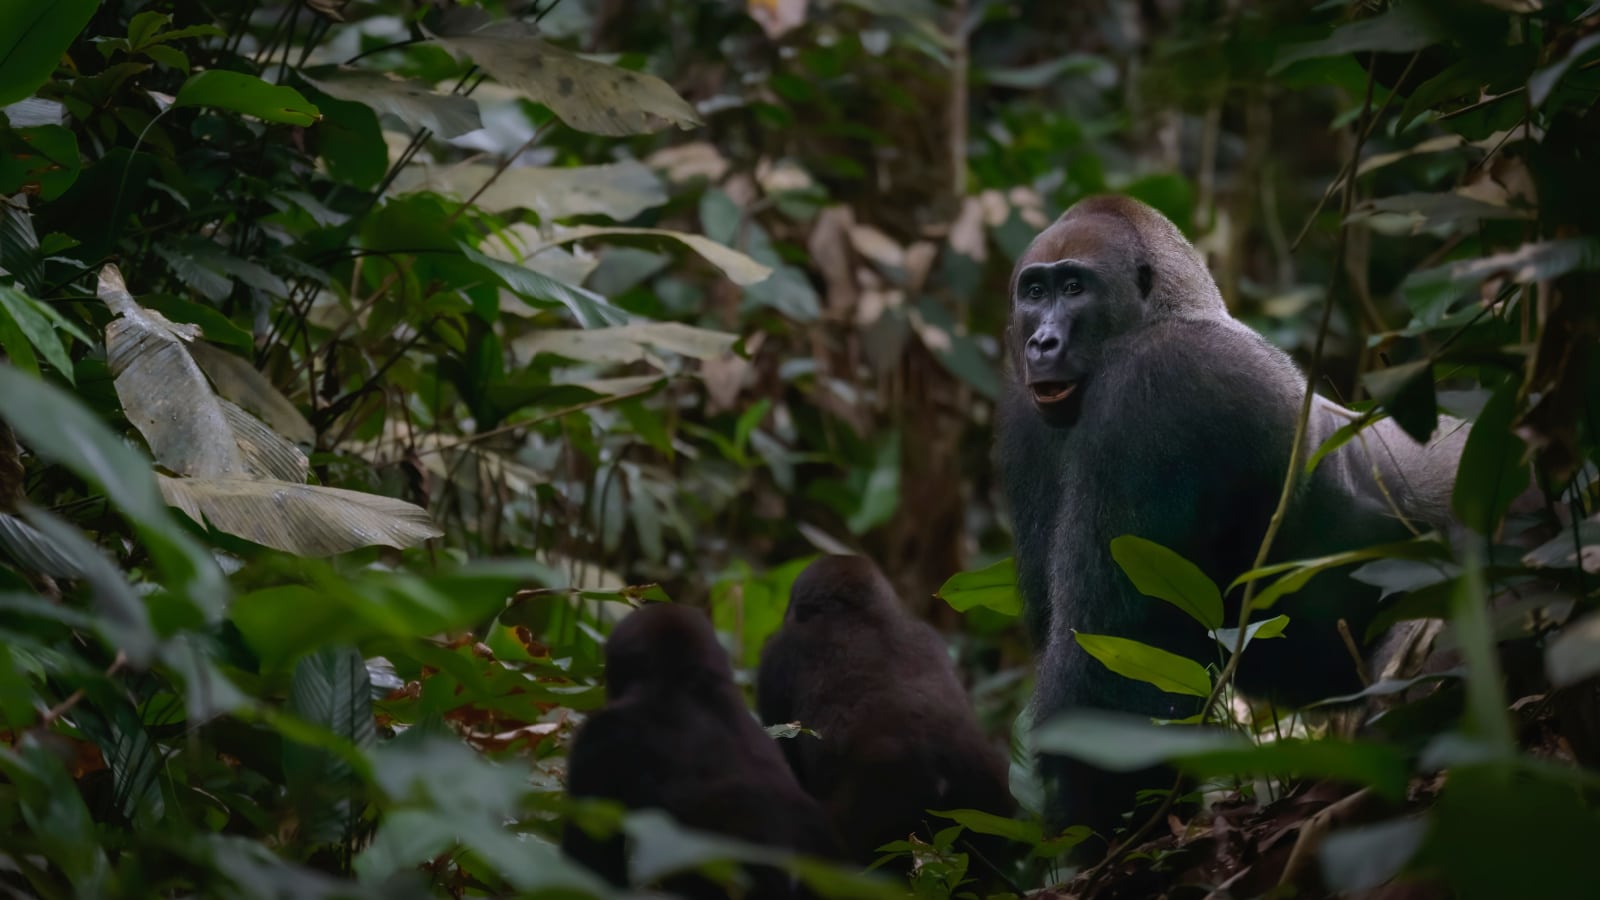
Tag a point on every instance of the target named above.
point(1048, 393)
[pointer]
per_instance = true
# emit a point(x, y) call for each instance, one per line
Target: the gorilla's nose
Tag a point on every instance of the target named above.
point(1044, 347)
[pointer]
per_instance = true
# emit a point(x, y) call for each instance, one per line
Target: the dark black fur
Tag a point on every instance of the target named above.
point(897, 733)
point(1179, 430)
point(675, 735)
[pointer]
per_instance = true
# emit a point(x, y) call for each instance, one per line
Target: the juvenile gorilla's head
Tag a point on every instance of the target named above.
point(1104, 269)
point(663, 644)
point(839, 584)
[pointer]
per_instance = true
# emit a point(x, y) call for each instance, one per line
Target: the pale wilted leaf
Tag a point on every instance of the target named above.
point(619, 190)
point(303, 519)
point(587, 95)
point(740, 269)
point(627, 343)
point(239, 381)
point(1575, 653)
point(412, 102)
point(163, 392)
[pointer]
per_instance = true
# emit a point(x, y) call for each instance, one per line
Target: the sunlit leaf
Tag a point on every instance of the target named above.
point(992, 587)
point(1131, 659)
point(1161, 573)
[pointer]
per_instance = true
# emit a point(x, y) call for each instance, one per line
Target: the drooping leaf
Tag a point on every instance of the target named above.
point(1542, 82)
point(1533, 262)
point(992, 587)
point(1407, 392)
point(412, 102)
point(241, 93)
point(740, 269)
point(590, 309)
point(33, 37)
point(1302, 571)
point(1120, 742)
point(120, 615)
point(239, 381)
point(587, 95)
point(627, 343)
point(1161, 573)
point(304, 519)
point(1401, 28)
point(1131, 659)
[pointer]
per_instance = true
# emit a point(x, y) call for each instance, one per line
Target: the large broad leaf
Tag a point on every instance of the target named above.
point(1356, 860)
point(239, 381)
point(1407, 392)
point(38, 323)
point(740, 269)
point(241, 93)
point(619, 190)
point(587, 95)
point(992, 587)
point(412, 102)
point(1131, 659)
point(1159, 572)
point(627, 343)
point(33, 36)
point(308, 520)
point(1494, 468)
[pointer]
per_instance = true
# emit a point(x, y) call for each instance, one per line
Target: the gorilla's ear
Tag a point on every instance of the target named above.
point(1147, 278)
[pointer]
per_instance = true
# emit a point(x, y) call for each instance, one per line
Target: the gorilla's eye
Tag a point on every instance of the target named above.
point(1035, 291)
point(1074, 287)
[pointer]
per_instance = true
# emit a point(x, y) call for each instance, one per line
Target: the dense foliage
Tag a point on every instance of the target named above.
point(364, 361)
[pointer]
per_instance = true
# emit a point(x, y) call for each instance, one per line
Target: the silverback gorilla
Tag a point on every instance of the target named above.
point(1135, 404)
point(675, 735)
point(896, 734)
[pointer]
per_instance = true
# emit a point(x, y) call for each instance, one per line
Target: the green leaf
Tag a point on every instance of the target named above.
point(881, 493)
point(587, 95)
point(1402, 28)
point(1380, 766)
point(241, 93)
point(120, 615)
point(33, 36)
point(43, 158)
point(1486, 701)
point(1303, 570)
point(1131, 659)
point(1161, 573)
point(1264, 629)
point(330, 688)
point(1493, 469)
point(413, 102)
point(1119, 742)
point(38, 326)
point(991, 587)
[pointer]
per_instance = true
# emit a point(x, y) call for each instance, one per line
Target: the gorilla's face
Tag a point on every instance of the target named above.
point(1072, 293)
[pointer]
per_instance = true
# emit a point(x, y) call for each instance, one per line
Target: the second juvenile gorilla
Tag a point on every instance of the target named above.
point(896, 733)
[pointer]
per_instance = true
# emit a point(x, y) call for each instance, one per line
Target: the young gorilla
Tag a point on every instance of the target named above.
point(675, 735)
point(1137, 405)
point(896, 733)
